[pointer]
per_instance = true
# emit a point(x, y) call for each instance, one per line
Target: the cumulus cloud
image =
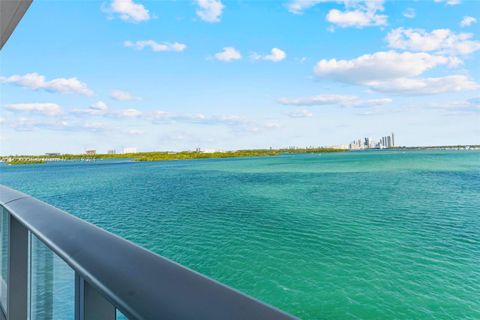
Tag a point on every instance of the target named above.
point(359, 14)
point(379, 66)
point(155, 46)
point(209, 10)
point(334, 100)
point(49, 109)
point(394, 72)
point(36, 81)
point(356, 18)
point(467, 21)
point(409, 13)
point(120, 95)
point(426, 86)
point(228, 54)
point(439, 40)
point(300, 113)
point(128, 10)
point(275, 55)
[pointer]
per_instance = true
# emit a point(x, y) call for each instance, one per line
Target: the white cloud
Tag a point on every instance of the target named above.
point(97, 108)
point(228, 54)
point(334, 100)
point(382, 65)
point(130, 113)
point(197, 118)
point(49, 109)
point(298, 6)
point(370, 103)
point(439, 40)
point(155, 46)
point(356, 18)
point(275, 55)
point(122, 95)
point(467, 21)
point(27, 124)
point(100, 108)
point(328, 99)
point(426, 86)
point(36, 81)
point(449, 2)
point(210, 10)
point(359, 14)
point(99, 105)
point(394, 72)
point(129, 11)
point(409, 13)
point(234, 122)
point(471, 105)
point(300, 113)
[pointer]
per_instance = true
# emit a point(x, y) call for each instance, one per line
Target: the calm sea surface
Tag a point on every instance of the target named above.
point(358, 235)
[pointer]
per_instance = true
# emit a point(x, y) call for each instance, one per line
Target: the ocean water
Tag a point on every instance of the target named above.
point(358, 235)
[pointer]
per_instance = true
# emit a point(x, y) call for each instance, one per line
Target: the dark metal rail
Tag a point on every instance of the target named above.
point(111, 272)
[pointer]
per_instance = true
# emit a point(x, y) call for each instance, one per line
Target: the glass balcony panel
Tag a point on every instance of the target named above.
point(4, 235)
point(52, 284)
point(121, 316)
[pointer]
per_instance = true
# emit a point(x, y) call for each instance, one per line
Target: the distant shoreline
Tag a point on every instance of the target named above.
point(192, 155)
point(161, 156)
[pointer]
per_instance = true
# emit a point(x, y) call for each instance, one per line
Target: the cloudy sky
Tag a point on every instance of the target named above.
point(217, 74)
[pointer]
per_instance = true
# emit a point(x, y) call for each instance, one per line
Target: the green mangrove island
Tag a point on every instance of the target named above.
point(160, 155)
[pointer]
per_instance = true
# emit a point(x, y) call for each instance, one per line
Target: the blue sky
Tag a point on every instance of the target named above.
point(177, 75)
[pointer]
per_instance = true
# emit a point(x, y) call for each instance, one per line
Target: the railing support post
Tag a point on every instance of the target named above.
point(95, 306)
point(17, 297)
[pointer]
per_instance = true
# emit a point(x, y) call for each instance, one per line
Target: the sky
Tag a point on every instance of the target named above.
point(226, 75)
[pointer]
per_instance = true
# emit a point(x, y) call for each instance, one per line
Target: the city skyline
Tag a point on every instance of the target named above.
point(230, 75)
point(370, 143)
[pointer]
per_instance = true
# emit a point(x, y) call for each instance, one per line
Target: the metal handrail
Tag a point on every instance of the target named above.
point(138, 282)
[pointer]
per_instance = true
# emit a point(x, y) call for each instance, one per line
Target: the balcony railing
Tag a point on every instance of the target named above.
point(56, 266)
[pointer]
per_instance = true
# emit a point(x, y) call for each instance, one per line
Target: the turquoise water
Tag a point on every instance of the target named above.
point(359, 235)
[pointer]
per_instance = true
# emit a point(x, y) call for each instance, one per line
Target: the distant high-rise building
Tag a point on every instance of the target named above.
point(112, 151)
point(369, 143)
point(91, 152)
